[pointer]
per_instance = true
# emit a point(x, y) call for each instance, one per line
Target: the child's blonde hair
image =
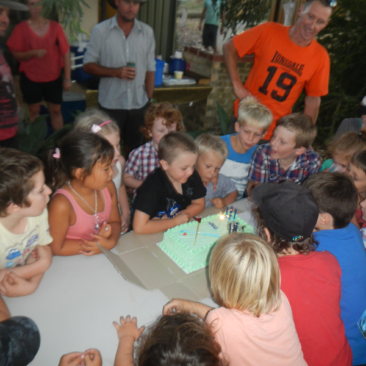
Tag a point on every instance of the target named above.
point(348, 144)
point(244, 274)
point(254, 113)
point(359, 160)
point(303, 127)
point(85, 121)
point(174, 143)
point(164, 110)
point(206, 142)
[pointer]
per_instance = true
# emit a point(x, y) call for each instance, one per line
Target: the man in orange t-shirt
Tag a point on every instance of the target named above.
point(286, 60)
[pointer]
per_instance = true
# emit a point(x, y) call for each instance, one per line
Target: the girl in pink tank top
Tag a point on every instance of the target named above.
point(83, 211)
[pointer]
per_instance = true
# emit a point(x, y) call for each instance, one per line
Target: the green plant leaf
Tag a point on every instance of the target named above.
point(51, 141)
point(224, 119)
point(195, 133)
point(24, 142)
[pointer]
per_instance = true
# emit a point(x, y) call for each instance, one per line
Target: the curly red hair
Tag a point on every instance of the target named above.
point(164, 110)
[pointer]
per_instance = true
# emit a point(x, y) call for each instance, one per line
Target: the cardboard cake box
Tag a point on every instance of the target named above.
point(140, 261)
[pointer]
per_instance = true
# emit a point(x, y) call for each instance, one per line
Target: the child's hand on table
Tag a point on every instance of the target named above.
point(90, 247)
point(128, 328)
point(182, 218)
point(91, 357)
point(72, 359)
point(105, 230)
point(14, 286)
point(218, 202)
point(125, 223)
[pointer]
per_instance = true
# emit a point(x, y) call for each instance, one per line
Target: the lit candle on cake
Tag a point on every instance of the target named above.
point(222, 218)
point(236, 210)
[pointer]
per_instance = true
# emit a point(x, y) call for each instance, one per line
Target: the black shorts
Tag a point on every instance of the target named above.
point(209, 35)
point(34, 92)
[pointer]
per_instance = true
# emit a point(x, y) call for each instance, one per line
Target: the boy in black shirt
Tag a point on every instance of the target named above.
point(173, 193)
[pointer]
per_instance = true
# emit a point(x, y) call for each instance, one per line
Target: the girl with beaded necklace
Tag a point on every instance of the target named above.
point(83, 211)
point(97, 121)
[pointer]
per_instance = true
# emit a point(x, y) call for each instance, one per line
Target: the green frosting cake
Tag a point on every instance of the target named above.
point(178, 242)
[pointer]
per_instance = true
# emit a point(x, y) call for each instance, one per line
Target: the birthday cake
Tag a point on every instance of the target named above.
point(192, 254)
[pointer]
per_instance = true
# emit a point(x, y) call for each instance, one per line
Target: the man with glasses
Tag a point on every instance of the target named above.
point(286, 60)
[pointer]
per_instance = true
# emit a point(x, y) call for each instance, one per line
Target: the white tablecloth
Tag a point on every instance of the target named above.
point(78, 299)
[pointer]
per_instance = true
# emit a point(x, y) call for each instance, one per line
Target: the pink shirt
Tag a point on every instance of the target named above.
point(246, 340)
point(85, 223)
point(48, 67)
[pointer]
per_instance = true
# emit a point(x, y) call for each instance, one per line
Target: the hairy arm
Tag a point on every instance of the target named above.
point(127, 73)
point(311, 108)
point(231, 61)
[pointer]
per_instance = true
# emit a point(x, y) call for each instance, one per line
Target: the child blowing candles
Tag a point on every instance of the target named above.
point(83, 212)
point(174, 193)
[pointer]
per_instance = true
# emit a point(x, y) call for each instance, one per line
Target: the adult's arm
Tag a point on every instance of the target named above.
point(93, 55)
point(202, 17)
point(67, 71)
point(231, 60)
point(149, 83)
point(93, 68)
point(27, 55)
point(311, 108)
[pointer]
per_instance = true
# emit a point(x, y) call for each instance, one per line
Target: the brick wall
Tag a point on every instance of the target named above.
point(213, 67)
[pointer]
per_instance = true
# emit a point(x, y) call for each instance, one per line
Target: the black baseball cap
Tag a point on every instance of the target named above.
point(13, 5)
point(19, 341)
point(288, 209)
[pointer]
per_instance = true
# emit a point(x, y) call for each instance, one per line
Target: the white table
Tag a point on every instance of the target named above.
point(79, 298)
